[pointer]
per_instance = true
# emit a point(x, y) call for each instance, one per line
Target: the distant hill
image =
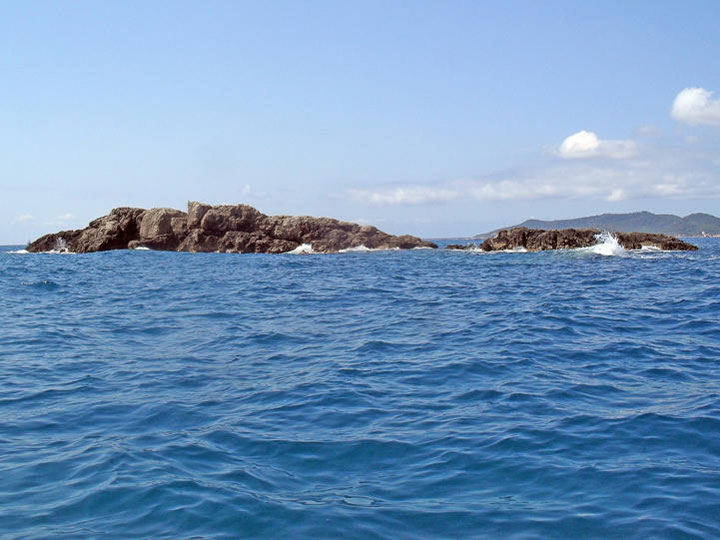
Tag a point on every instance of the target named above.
point(692, 225)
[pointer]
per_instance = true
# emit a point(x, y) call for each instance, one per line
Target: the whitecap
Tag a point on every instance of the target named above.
point(478, 249)
point(364, 249)
point(357, 249)
point(302, 249)
point(607, 246)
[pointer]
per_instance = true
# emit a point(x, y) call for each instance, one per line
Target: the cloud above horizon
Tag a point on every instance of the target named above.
point(586, 166)
point(405, 195)
point(586, 144)
point(664, 172)
point(696, 106)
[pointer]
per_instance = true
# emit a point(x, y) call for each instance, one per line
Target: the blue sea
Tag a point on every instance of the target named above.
point(398, 394)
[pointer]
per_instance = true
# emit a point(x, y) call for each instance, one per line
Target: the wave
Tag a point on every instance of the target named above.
point(50, 252)
point(364, 249)
point(607, 246)
point(357, 249)
point(277, 392)
point(478, 249)
point(302, 249)
point(44, 284)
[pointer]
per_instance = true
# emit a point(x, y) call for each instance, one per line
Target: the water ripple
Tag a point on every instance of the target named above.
point(371, 395)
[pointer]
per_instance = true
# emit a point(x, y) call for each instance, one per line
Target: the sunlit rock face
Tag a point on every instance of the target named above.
point(225, 228)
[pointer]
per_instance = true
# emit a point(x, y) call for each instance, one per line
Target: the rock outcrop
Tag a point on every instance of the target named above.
point(541, 240)
point(226, 228)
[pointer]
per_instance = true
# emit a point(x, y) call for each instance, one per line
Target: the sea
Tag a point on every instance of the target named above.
point(391, 394)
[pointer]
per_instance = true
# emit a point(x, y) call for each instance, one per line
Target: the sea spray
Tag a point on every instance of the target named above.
point(302, 249)
point(607, 246)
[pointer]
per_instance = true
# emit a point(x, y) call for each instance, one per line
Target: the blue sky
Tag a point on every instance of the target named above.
point(430, 118)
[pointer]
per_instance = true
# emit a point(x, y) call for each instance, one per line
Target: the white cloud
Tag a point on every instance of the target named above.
point(406, 195)
point(65, 217)
point(25, 217)
point(695, 106)
point(683, 171)
point(586, 144)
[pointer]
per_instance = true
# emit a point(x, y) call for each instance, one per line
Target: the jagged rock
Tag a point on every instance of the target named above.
point(541, 240)
point(162, 228)
point(637, 240)
point(195, 213)
point(198, 241)
point(220, 219)
point(226, 228)
point(114, 231)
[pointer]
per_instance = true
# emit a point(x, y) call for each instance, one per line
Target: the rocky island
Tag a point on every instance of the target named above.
point(542, 240)
point(225, 228)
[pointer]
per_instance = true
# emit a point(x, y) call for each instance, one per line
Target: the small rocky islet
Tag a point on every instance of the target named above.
point(523, 238)
point(225, 228)
point(243, 229)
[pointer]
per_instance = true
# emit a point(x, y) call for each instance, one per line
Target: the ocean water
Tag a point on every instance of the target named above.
point(391, 394)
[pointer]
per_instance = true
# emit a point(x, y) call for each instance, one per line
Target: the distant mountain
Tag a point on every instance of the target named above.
point(692, 225)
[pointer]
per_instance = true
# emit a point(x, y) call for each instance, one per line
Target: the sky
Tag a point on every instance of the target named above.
point(437, 118)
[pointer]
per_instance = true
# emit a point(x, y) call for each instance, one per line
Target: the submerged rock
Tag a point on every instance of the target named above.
point(226, 228)
point(522, 238)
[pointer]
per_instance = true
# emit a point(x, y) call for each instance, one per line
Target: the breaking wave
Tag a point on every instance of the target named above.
point(302, 249)
point(364, 249)
point(607, 246)
point(357, 249)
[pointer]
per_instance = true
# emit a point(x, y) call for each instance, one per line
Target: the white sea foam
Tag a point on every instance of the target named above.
point(302, 249)
point(478, 249)
point(607, 246)
point(357, 249)
point(364, 249)
point(19, 251)
point(141, 248)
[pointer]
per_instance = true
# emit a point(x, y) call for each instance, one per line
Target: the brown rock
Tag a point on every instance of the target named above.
point(226, 228)
point(195, 213)
point(113, 231)
point(541, 240)
point(220, 219)
point(198, 241)
point(163, 228)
